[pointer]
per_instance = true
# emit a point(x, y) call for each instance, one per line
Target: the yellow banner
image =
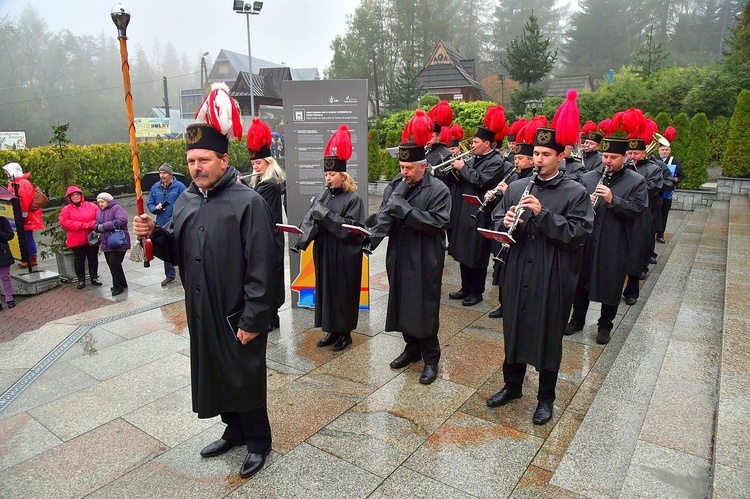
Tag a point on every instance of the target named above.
point(6, 210)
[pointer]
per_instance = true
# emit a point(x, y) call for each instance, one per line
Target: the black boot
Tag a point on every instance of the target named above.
point(81, 284)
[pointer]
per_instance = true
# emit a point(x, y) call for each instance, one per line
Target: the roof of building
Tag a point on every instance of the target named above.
point(445, 69)
point(263, 86)
point(238, 63)
point(559, 85)
point(158, 112)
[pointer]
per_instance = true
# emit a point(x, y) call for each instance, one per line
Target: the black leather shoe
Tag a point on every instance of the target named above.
point(458, 295)
point(652, 260)
point(344, 341)
point(660, 240)
point(10, 304)
point(602, 336)
point(630, 301)
point(496, 314)
point(253, 463)
point(572, 328)
point(472, 300)
point(95, 281)
point(116, 291)
point(543, 413)
point(404, 360)
point(218, 448)
point(81, 285)
point(643, 275)
point(503, 397)
point(328, 339)
point(429, 374)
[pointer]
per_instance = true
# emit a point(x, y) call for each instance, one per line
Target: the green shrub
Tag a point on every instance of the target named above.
point(374, 165)
point(680, 144)
point(663, 121)
point(695, 164)
point(391, 168)
point(737, 156)
point(718, 131)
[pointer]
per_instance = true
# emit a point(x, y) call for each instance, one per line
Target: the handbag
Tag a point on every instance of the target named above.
point(116, 240)
point(93, 238)
point(40, 199)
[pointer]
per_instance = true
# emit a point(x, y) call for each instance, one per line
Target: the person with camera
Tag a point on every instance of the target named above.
point(161, 199)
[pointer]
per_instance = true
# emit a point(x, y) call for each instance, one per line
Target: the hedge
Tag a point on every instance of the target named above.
point(695, 164)
point(737, 156)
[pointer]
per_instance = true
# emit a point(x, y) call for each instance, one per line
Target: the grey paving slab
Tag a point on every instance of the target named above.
point(604, 442)
point(476, 456)
point(24, 351)
point(126, 356)
point(535, 484)
point(407, 483)
point(81, 466)
point(60, 380)
point(310, 472)
point(87, 409)
point(728, 481)
point(170, 419)
point(10, 376)
point(91, 342)
point(656, 471)
point(22, 438)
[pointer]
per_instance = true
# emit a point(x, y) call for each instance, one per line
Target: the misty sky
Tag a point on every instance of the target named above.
point(295, 32)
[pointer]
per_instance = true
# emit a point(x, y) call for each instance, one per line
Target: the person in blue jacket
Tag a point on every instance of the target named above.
point(161, 199)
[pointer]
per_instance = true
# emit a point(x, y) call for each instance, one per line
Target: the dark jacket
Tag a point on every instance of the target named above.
point(225, 247)
point(106, 218)
point(478, 176)
point(592, 160)
point(606, 252)
point(270, 191)
point(6, 234)
point(573, 169)
point(414, 222)
point(337, 254)
point(642, 231)
point(541, 272)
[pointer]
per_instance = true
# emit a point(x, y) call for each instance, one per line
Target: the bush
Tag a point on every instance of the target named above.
point(718, 131)
point(663, 121)
point(680, 144)
point(374, 165)
point(391, 168)
point(695, 164)
point(737, 156)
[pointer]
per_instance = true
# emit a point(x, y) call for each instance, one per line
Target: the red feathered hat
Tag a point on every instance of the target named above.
point(445, 135)
point(565, 126)
point(525, 136)
point(493, 125)
point(457, 135)
point(218, 121)
point(670, 133)
point(590, 131)
point(338, 151)
point(441, 115)
point(417, 132)
point(606, 127)
point(515, 128)
point(259, 139)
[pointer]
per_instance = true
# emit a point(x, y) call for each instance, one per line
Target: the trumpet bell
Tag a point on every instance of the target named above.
point(658, 141)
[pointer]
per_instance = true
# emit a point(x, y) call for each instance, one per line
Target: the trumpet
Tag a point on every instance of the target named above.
point(658, 141)
point(507, 236)
point(604, 180)
point(486, 200)
point(577, 152)
point(446, 167)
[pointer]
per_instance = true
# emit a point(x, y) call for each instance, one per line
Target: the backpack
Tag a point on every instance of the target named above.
point(40, 199)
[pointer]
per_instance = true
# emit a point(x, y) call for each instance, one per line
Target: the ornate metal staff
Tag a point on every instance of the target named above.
point(121, 17)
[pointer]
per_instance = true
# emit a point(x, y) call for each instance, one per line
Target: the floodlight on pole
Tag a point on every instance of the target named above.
point(241, 7)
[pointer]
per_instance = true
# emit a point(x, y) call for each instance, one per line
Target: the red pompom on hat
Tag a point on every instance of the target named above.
point(457, 135)
point(649, 129)
point(515, 127)
point(445, 135)
point(567, 120)
point(632, 122)
point(419, 129)
point(589, 126)
point(338, 150)
point(441, 115)
point(259, 139)
point(494, 124)
point(605, 126)
point(670, 133)
point(525, 136)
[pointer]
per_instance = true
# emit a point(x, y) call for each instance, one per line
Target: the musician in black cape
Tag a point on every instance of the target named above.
point(337, 252)
point(221, 237)
point(592, 158)
point(606, 254)
point(541, 269)
point(414, 210)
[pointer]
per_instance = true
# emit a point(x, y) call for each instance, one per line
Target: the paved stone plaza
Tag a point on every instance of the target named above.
point(645, 416)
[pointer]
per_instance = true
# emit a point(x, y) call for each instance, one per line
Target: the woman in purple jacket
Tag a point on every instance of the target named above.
point(112, 217)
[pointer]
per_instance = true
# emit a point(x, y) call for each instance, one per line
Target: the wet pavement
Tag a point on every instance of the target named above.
point(111, 415)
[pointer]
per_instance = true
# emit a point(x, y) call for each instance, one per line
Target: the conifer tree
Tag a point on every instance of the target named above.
point(529, 59)
point(737, 156)
point(695, 164)
point(650, 56)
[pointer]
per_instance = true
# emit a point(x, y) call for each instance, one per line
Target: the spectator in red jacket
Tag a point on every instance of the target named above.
point(32, 220)
point(78, 218)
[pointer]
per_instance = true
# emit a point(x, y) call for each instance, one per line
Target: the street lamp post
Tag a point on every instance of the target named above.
point(241, 7)
point(121, 18)
point(534, 104)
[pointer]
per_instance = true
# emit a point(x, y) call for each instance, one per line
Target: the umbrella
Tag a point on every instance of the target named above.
point(151, 178)
point(276, 134)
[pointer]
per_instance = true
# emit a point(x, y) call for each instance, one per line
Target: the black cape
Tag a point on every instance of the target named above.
point(541, 272)
point(478, 176)
point(270, 190)
point(642, 231)
point(573, 169)
point(592, 160)
point(605, 254)
point(416, 254)
point(338, 264)
point(228, 256)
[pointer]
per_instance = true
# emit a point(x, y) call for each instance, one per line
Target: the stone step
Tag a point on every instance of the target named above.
point(731, 459)
point(598, 460)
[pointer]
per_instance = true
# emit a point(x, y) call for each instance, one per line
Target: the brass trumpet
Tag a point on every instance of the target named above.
point(446, 167)
point(658, 141)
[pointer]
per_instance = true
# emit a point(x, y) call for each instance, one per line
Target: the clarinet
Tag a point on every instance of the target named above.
point(486, 200)
point(507, 237)
point(604, 180)
point(309, 226)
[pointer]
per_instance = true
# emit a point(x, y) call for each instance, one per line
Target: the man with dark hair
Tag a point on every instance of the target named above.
point(221, 237)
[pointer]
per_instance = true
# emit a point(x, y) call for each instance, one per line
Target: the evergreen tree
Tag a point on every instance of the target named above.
point(470, 39)
point(529, 58)
point(680, 144)
point(374, 165)
point(407, 88)
point(650, 56)
point(695, 164)
point(662, 121)
point(737, 154)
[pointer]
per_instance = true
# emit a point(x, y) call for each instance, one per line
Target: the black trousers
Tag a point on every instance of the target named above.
point(472, 279)
point(513, 375)
point(428, 348)
point(80, 255)
point(633, 287)
point(666, 205)
point(114, 262)
point(581, 306)
point(251, 427)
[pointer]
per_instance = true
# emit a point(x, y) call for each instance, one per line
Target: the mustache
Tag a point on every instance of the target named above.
point(199, 175)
